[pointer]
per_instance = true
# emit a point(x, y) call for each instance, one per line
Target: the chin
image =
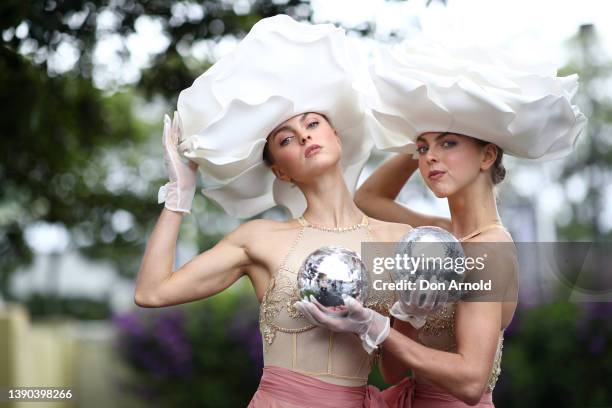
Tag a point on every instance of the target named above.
point(316, 169)
point(324, 163)
point(440, 191)
point(440, 194)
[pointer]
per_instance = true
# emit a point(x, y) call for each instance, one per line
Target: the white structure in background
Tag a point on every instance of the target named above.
point(74, 276)
point(61, 271)
point(68, 354)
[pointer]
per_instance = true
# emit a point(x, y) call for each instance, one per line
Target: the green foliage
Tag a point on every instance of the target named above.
point(376, 378)
point(557, 355)
point(82, 308)
point(57, 128)
point(66, 141)
point(592, 161)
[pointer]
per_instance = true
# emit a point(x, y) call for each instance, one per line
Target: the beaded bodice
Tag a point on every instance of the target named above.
point(291, 341)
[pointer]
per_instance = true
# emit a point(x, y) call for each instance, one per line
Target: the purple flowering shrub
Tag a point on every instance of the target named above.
point(204, 354)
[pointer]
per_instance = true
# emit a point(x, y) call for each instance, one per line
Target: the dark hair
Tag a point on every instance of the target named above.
point(267, 154)
point(498, 171)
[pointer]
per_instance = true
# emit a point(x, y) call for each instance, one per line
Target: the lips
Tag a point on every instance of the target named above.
point(435, 174)
point(312, 150)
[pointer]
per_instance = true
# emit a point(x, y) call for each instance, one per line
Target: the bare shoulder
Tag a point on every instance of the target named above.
point(383, 231)
point(497, 244)
point(259, 229)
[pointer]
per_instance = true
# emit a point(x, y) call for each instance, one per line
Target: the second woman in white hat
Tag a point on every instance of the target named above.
point(461, 109)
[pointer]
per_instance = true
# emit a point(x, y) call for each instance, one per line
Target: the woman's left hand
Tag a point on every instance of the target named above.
point(419, 305)
point(371, 327)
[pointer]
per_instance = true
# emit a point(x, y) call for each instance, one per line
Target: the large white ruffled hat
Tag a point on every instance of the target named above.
point(280, 69)
point(420, 86)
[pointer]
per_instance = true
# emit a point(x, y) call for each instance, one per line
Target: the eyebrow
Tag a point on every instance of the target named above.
point(287, 127)
point(420, 138)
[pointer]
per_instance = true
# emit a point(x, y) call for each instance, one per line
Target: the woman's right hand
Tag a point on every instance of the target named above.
point(376, 196)
point(178, 193)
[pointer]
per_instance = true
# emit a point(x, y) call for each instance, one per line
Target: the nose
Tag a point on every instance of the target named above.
point(431, 156)
point(303, 138)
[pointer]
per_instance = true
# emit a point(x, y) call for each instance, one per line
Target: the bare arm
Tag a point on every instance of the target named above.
point(376, 196)
point(465, 373)
point(478, 322)
point(205, 275)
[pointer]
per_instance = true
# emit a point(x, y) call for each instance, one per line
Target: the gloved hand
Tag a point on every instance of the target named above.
point(178, 193)
point(419, 305)
point(371, 327)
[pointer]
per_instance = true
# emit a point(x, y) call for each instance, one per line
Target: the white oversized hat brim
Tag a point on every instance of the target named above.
point(424, 87)
point(281, 69)
point(250, 191)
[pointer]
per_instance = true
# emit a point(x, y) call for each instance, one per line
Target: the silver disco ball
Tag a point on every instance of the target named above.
point(435, 253)
point(330, 272)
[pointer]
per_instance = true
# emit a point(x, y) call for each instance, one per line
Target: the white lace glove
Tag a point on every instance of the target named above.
point(177, 193)
point(419, 305)
point(371, 327)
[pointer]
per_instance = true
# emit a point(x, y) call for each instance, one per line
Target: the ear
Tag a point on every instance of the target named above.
point(338, 136)
point(279, 173)
point(489, 155)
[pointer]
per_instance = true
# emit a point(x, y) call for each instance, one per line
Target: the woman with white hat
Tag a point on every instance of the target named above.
point(463, 110)
point(276, 122)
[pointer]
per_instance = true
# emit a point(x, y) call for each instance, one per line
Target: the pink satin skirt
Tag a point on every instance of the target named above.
point(283, 388)
point(410, 394)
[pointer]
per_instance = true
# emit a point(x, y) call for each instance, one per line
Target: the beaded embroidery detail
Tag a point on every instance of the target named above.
point(282, 291)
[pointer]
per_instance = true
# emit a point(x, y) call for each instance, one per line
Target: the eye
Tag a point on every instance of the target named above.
point(448, 143)
point(285, 141)
point(421, 149)
point(312, 125)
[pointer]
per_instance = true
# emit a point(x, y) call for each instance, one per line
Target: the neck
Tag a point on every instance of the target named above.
point(472, 208)
point(329, 202)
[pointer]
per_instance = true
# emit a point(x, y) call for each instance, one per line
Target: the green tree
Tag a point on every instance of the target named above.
point(65, 139)
point(592, 161)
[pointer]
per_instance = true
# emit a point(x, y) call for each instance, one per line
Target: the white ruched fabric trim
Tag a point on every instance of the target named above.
point(280, 69)
point(420, 86)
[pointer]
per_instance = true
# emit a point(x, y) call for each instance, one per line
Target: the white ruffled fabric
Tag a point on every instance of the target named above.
point(280, 69)
point(420, 87)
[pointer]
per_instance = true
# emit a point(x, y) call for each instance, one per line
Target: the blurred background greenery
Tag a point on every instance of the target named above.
point(81, 165)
